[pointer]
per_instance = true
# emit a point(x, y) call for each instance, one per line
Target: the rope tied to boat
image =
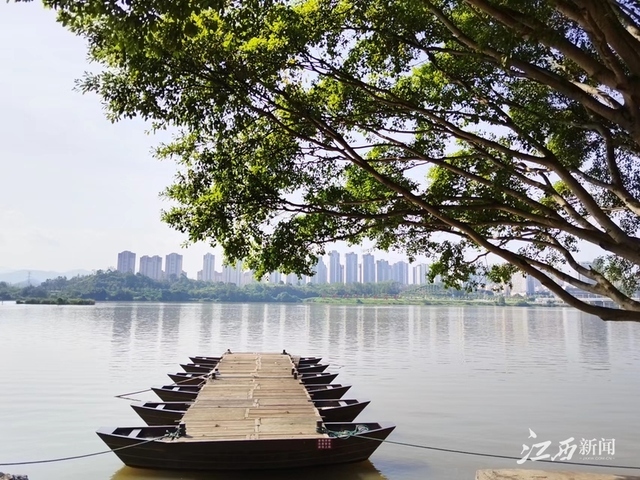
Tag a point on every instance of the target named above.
point(86, 455)
point(125, 396)
point(344, 434)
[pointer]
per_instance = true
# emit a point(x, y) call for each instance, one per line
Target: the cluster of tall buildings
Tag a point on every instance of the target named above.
point(368, 270)
point(152, 266)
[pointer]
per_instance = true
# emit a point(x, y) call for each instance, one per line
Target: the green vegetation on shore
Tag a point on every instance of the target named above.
point(115, 286)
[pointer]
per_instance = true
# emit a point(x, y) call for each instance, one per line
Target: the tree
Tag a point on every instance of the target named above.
point(457, 129)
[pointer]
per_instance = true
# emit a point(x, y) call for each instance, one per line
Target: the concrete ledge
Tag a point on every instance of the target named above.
point(519, 474)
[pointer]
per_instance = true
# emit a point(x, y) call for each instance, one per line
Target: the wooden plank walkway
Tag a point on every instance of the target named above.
point(254, 396)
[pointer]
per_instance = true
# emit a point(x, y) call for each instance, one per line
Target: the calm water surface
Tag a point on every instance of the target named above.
point(473, 378)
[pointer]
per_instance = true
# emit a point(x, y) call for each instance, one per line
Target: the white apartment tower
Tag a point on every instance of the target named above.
point(368, 269)
point(351, 268)
point(335, 269)
point(151, 267)
point(209, 268)
point(173, 266)
point(233, 274)
point(383, 271)
point(420, 274)
point(127, 262)
point(400, 272)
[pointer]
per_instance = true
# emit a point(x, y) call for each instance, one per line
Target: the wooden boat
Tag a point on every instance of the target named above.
point(301, 361)
point(343, 443)
point(197, 368)
point(166, 413)
point(205, 360)
point(188, 393)
point(184, 378)
point(255, 412)
point(333, 391)
point(318, 368)
point(177, 393)
point(317, 378)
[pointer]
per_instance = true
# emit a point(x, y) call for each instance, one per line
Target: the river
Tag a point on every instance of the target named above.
point(464, 378)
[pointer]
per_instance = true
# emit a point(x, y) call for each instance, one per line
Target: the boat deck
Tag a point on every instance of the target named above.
point(253, 396)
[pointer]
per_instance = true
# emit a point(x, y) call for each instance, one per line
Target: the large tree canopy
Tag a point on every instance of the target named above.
point(455, 129)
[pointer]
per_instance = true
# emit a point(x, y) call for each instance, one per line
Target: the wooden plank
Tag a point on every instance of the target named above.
point(254, 395)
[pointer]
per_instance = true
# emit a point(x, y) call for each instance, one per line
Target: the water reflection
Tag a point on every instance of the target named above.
point(472, 378)
point(361, 470)
point(170, 317)
point(121, 330)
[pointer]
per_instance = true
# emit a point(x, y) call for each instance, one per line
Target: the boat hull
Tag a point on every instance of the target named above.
point(196, 368)
point(327, 392)
point(167, 413)
point(317, 378)
point(318, 368)
point(242, 454)
point(183, 378)
point(176, 394)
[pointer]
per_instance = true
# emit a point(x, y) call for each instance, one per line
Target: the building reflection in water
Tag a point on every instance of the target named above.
point(147, 324)
point(121, 329)
point(170, 314)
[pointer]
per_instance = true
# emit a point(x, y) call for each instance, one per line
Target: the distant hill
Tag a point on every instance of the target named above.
point(20, 277)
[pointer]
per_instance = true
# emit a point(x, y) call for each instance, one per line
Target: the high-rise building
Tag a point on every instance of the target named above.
point(368, 269)
point(383, 271)
point(320, 275)
point(208, 267)
point(335, 270)
point(351, 268)
point(127, 262)
point(400, 272)
point(151, 267)
point(420, 274)
point(173, 266)
point(292, 279)
point(232, 274)
point(275, 278)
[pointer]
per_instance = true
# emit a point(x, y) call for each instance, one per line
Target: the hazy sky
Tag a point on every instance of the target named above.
point(74, 188)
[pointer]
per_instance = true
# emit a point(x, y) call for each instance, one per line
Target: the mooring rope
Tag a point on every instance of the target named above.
point(481, 454)
point(75, 457)
point(125, 396)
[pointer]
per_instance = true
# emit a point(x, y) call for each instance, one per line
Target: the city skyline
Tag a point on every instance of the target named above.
point(351, 271)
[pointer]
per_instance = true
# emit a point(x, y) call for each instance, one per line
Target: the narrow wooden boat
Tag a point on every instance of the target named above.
point(312, 368)
point(166, 413)
point(177, 393)
point(205, 360)
point(317, 378)
point(301, 361)
point(151, 447)
point(184, 378)
point(197, 368)
point(333, 391)
point(188, 393)
point(340, 410)
point(161, 413)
